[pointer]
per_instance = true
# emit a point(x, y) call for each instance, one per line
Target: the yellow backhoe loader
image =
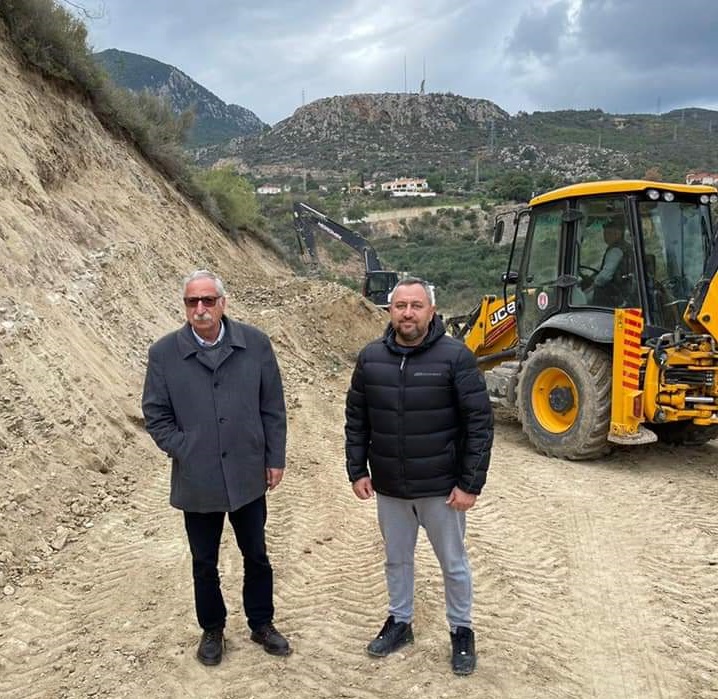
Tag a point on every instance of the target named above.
point(611, 333)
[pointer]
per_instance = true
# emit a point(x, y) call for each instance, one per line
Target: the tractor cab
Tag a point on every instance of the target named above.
point(590, 249)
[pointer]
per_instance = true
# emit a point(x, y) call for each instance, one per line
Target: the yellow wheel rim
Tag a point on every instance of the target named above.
point(554, 399)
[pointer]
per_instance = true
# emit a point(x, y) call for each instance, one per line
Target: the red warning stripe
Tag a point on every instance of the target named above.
point(631, 363)
point(498, 332)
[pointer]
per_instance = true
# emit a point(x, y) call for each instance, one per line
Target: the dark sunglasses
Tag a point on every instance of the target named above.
point(207, 301)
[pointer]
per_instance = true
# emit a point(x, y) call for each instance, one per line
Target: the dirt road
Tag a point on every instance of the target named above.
point(591, 580)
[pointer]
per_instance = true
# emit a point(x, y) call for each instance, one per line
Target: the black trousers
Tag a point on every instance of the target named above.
point(204, 532)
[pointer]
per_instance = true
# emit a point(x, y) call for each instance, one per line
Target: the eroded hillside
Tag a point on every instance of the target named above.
point(94, 247)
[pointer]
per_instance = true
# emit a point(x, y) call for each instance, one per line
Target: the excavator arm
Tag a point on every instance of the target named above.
point(307, 219)
point(378, 282)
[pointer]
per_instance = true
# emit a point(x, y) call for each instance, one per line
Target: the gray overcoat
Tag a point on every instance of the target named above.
point(221, 426)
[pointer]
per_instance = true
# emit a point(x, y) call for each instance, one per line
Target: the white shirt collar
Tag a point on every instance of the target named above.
point(204, 343)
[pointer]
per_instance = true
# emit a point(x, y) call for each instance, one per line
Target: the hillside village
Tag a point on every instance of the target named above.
point(398, 187)
point(590, 579)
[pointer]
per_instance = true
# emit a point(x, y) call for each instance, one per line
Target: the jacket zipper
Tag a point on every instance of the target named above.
point(402, 387)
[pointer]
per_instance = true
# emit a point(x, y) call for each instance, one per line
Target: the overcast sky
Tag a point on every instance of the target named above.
point(271, 56)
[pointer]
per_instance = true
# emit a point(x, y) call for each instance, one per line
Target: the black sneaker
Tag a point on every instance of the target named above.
point(463, 655)
point(211, 646)
point(271, 640)
point(393, 635)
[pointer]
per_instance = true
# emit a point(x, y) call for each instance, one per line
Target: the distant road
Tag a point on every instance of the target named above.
point(413, 212)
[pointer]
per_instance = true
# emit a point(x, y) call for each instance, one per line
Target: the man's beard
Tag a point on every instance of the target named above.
point(409, 336)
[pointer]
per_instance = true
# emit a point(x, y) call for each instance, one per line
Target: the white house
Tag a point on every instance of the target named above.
point(269, 189)
point(407, 187)
point(702, 178)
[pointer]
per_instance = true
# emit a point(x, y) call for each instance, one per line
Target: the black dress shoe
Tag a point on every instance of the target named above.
point(393, 635)
point(211, 646)
point(271, 640)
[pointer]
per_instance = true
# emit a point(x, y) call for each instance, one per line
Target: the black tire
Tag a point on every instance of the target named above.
point(685, 433)
point(564, 399)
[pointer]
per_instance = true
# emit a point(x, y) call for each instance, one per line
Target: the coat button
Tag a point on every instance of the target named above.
point(222, 420)
point(224, 454)
point(216, 384)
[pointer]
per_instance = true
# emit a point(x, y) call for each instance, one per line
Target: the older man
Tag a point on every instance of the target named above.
point(213, 401)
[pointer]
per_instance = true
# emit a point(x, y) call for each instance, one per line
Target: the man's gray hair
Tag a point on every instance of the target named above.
point(409, 281)
point(204, 274)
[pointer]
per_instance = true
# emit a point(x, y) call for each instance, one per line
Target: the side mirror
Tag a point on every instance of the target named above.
point(510, 277)
point(498, 231)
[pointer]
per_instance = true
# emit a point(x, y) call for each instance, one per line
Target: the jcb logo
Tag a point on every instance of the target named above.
point(503, 313)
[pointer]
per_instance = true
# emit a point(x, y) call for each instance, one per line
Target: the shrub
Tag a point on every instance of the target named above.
point(235, 197)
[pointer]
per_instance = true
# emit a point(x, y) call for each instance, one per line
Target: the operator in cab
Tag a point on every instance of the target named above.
point(606, 287)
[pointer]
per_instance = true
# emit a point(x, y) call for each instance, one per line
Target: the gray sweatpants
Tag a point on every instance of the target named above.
point(399, 522)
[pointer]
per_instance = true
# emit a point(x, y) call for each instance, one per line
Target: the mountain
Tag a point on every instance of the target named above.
point(370, 132)
point(394, 134)
point(215, 121)
point(399, 134)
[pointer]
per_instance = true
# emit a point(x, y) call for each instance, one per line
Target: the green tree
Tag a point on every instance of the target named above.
point(435, 182)
point(234, 196)
point(356, 212)
point(517, 186)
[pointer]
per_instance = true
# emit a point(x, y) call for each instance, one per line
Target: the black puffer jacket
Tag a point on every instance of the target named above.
point(421, 420)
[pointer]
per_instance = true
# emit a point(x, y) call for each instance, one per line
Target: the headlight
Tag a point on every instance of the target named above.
point(704, 199)
point(714, 198)
point(652, 194)
point(668, 196)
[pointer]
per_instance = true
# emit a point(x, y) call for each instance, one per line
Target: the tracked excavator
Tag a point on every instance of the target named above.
point(607, 331)
point(377, 283)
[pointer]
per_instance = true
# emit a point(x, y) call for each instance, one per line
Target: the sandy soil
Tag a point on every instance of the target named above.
point(591, 580)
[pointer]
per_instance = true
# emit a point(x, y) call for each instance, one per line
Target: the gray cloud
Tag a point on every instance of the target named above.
point(629, 56)
point(621, 56)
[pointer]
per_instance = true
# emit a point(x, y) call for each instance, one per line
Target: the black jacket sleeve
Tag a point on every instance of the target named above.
point(477, 423)
point(356, 429)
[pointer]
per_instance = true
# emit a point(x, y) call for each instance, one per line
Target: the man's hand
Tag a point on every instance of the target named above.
point(362, 488)
point(460, 500)
point(274, 477)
